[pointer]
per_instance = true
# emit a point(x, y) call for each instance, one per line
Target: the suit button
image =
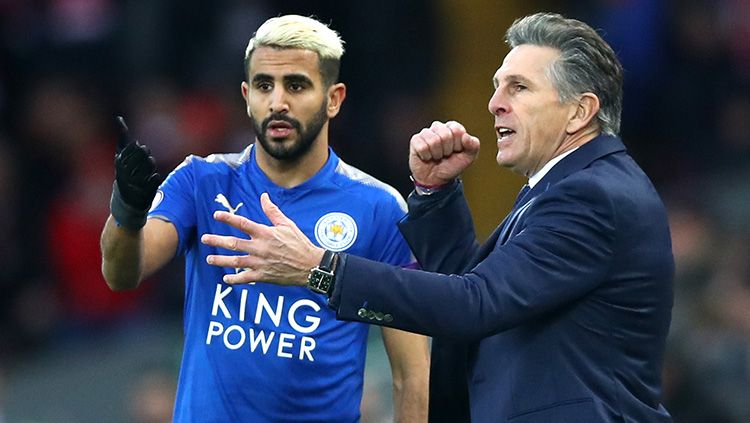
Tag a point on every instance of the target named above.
point(388, 317)
point(370, 314)
point(362, 312)
point(379, 316)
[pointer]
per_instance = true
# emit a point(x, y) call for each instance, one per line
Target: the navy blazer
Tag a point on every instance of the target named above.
point(561, 316)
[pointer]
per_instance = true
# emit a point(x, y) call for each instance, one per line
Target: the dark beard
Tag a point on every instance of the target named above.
point(306, 136)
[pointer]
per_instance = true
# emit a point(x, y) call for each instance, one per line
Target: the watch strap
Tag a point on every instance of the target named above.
point(327, 263)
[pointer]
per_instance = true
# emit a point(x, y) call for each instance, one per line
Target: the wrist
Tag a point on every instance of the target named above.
point(425, 189)
point(125, 215)
point(316, 257)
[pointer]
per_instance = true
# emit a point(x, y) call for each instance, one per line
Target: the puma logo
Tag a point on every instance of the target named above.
point(221, 199)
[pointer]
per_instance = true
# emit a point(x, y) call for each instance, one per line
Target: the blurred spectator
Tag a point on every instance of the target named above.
point(693, 239)
point(696, 84)
point(10, 251)
point(152, 397)
point(707, 366)
point(726, 364)
point(736, 16)
point(28, 307)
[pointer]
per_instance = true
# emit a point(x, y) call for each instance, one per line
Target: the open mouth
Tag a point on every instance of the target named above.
point(503, 133)
point(279, 128)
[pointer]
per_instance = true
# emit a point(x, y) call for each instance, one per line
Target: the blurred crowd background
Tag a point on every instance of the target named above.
point(72, 351)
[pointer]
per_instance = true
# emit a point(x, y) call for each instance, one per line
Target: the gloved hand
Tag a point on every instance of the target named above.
point(136, 181)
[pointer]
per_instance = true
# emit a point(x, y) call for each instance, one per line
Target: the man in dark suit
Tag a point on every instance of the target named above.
point(562, 314)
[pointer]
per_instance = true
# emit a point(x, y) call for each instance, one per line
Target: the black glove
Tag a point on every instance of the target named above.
point(136, 181)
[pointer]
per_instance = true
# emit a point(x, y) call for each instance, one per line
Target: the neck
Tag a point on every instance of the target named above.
point(290, 173)
point(568, 143)
point(578, 139)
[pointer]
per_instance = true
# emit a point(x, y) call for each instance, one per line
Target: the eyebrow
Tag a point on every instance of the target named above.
point(294, 77)
point(512, 78)
point(262, 77)
point(298, 78)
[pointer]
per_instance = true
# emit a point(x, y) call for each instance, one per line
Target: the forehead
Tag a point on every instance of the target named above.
point(284, 61)
point(527, 61)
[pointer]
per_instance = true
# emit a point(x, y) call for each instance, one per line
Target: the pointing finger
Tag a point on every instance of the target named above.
point(123, 139)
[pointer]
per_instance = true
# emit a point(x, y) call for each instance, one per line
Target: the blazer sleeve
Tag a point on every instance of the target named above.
point(563, 251)
point(440, 231)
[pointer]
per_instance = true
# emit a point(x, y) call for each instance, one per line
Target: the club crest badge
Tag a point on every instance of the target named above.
point(336, 231)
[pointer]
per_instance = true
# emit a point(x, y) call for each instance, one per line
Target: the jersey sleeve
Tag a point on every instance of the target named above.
point(175, 202)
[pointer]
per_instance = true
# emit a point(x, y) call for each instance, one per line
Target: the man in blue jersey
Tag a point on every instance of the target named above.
point(263, 353)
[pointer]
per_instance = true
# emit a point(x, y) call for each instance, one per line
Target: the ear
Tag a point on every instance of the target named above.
point(245, 92)
point(336, 96)
point(583, 112)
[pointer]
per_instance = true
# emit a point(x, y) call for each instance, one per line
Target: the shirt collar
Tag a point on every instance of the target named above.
point(320, 178)
point(535, 178)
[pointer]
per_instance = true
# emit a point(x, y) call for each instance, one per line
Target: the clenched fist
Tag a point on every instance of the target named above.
point(438, 154)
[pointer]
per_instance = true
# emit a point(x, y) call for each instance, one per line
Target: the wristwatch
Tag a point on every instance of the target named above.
point(321, 278)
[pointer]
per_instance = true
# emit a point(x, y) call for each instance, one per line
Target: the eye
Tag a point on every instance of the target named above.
point(296, 87)
point(264, 86)
point(519, 87)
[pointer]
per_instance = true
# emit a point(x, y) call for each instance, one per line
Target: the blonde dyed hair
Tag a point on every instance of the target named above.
point(295, 31)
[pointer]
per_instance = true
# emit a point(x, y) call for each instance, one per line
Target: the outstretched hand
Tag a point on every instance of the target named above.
point(279, 254)
point(438, 154)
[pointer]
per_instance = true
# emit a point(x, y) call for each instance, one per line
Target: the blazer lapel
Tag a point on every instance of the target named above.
point(500, 234)
point(598, 147)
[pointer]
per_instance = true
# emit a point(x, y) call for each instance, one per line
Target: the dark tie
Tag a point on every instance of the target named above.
point(525, 189)
point(500, 235)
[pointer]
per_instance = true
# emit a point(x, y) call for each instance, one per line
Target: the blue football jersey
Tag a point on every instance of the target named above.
point(261, 352)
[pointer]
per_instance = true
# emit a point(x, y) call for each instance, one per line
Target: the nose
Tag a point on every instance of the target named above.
point(498, 103)
point(279, 103)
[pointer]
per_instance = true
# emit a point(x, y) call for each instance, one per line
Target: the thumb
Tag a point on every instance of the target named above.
point(273, 212)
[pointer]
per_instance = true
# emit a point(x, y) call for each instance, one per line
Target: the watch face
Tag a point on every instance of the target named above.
point(319, 281)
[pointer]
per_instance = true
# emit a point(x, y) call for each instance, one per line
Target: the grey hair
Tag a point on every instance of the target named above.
point(294, 31)
point(586, 63)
